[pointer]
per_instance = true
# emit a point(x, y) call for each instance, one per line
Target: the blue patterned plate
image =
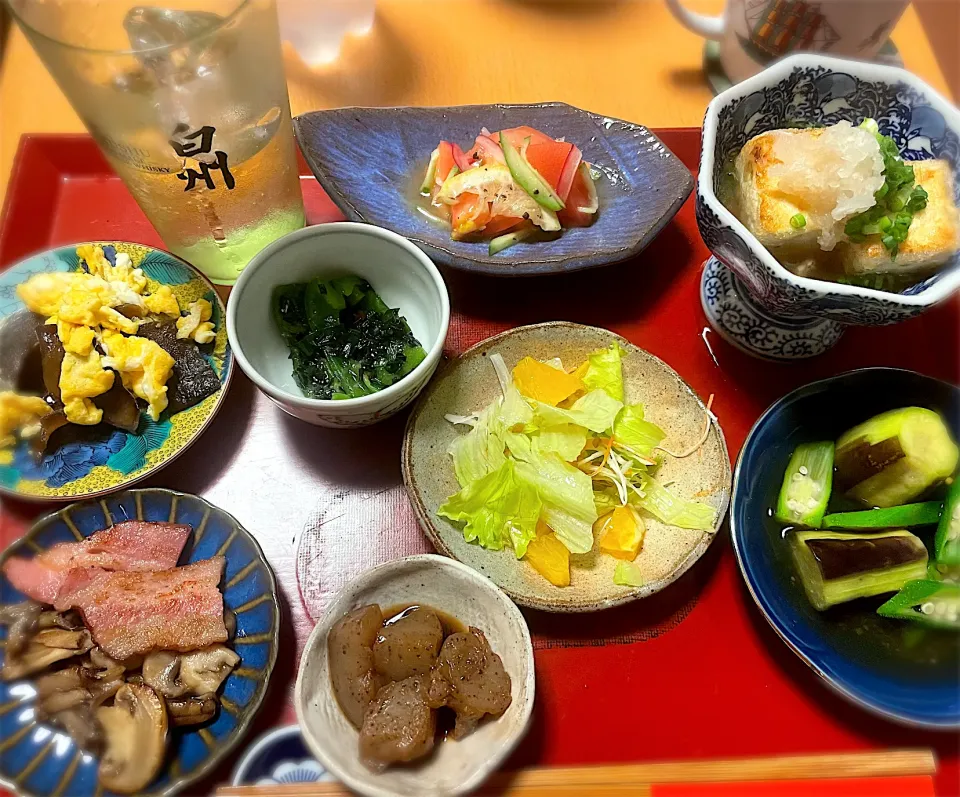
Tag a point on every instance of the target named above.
point(892, 669)
point(109, 459)
point(369, 161)
point(277, 757)
point(39, 761)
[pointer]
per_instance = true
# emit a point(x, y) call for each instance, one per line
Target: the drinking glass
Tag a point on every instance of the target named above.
point(189, 104)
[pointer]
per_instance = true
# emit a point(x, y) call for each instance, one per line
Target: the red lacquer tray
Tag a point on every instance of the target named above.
point(691, 672)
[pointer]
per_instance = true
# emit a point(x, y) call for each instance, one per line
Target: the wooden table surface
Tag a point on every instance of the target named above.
point(626, 58)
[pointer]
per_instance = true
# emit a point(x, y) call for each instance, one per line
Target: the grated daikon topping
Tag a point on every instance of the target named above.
point(831, 177)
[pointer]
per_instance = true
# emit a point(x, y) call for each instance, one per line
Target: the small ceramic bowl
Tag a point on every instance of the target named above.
point(860, 656)
point(752, 300)
point(278, 757)
point(454, 767)
point(402, 275)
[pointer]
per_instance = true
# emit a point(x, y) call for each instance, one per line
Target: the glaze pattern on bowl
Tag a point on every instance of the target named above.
point(801, 90)
point(278, 756)
point(913, 696)
point(111, 459)
point(469, 383)
point(369, 159)
point(40, 761)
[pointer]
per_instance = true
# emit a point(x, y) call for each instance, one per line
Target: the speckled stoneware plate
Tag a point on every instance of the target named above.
point(371, 161)
point(469, 383)
point(109, 459)
point(40, 761)
point(454, 767)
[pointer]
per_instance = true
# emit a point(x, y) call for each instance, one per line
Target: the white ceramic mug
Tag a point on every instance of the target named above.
point(753, 33)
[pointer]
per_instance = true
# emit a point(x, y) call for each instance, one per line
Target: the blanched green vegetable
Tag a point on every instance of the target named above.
point(836, 567)
point(627, 574)
point(807, 483)
point(948, 532)
point(894, 517)
point(931, 603)
point(895, 456)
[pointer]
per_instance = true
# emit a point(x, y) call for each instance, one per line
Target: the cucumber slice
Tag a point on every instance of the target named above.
point(835, 567)
point(806, 485)
point(947, 544)
point(427, 185)
point(507, 240)
point(931, 603)
point(528, 178)
point(894, 517)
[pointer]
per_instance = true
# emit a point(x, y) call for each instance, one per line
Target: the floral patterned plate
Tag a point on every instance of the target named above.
point(110, 459)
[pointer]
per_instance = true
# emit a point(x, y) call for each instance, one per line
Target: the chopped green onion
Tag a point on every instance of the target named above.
point(798, 222)
point(885, 224)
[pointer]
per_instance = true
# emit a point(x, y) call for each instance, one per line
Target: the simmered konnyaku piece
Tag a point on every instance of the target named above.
point(350, 645)
point(399, 725)
point(835, 567)
point(409, 646)
point(473, 678)
point(193, 378)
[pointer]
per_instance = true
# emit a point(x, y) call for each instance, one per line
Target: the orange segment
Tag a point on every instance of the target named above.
point(620, 532)
point(550, 558)
point(543, 382)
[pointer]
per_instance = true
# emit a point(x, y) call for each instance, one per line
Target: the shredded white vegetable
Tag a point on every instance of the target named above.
point(466, 420)
point(711, 418)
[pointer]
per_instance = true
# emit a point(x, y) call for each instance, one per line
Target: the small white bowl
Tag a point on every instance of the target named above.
point(401, 273)
point(454, 767)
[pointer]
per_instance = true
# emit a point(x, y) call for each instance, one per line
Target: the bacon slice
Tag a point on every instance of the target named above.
point(131, 545)
point(130, 613)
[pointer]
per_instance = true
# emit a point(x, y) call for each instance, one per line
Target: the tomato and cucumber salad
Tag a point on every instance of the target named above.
point(510, 186)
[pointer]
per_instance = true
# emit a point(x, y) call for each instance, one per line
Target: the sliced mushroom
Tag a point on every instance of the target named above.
point(82, 728)
point(135, 729)
point(45, 648)
point(21, 621)
point(192, 710)
point(69, 620)
point(102, 691)
point(102, 668)
point(203, 670)
point(161, 671)
point(230, 622)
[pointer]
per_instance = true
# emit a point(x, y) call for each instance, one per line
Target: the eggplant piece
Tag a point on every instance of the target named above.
point(51, 359)
point(947, 543)
point(836, 567)
point(894, 517)
point(807, 483)
point(931, 603)
point(895, 456)
point(193, 379)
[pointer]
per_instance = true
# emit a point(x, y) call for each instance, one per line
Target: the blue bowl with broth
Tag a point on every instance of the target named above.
point(892, 668)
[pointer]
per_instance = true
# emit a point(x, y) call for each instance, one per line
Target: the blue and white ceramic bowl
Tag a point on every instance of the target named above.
point(279, 756)
point(37, 760)
point(762, 307)
point(880, 665)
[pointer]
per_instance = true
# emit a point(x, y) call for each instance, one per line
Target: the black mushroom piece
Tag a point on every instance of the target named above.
point(409, 646)
point(350, 650)
point(193, 378)
point(135, 736)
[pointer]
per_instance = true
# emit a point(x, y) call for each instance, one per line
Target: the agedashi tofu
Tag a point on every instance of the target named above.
point(934, 234)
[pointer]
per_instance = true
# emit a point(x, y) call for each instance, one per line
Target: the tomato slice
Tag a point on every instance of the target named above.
point(569, 173)
point(516, 136)
point(460, 158)
point(486, 150)
point(501, 224)
point(580, 196)
point(445, 162)
point(549, 159)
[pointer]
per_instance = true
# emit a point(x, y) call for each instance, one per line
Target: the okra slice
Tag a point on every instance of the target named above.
point(806, 485)
point(947, 543)
point(931, 603)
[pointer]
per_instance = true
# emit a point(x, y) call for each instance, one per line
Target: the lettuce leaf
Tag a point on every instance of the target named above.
point(567, 496)
point(605, 372)
point(627, 574)
point(632, 430)
point(480, 451)
point(497, 509)
point(672, 509)
point(566, 440)
point(597, 411)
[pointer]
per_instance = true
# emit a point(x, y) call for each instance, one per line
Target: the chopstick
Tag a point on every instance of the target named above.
point(636, 779)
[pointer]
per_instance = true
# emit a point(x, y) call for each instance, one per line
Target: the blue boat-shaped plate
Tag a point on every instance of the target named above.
point(894, 669)
point(39, 760)
point(370, 160)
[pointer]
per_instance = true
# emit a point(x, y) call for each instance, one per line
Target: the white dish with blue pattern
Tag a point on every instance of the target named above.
point(38, 760)
point(760, 306)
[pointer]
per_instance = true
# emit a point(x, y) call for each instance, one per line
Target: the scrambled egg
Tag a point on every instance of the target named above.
point(20, 414)
point(123, 272)
point(162, 302)
point(76, 339)
point(82, 378)
point(197, 325)
point(143, 366)
point(43, 293)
